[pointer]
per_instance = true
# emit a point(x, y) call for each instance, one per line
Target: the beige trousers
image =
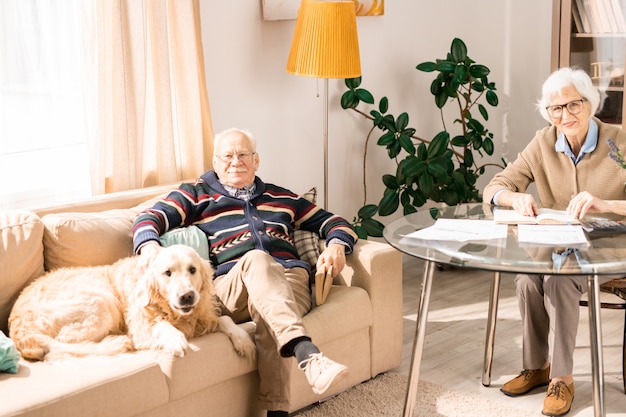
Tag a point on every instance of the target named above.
point(550, 312)
point(260, 289)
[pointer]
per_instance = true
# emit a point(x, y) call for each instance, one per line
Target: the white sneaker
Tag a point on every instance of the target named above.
point(322, 372)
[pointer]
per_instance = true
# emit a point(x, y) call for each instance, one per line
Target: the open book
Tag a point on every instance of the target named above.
point(545, 216)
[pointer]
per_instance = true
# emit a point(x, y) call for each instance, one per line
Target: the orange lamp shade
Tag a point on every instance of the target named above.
point(325, 42)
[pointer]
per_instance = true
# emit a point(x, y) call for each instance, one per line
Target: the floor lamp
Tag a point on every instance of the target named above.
point(325, 45)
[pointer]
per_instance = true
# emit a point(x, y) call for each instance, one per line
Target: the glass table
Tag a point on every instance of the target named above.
point(604, 256)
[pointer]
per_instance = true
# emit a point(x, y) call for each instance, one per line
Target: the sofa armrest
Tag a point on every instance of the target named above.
point(377, 268)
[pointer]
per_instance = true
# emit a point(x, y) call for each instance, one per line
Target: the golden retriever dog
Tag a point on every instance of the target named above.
point(130, 305)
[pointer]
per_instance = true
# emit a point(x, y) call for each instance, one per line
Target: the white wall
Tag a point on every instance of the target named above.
point(248, 86)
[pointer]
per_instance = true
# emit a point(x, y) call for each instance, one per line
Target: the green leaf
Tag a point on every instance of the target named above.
point(409, 209)
point(425, 183)
point(441, 98)
point(386, 139)
point(439, 144)
point(426, 66)
point(488, 146)
point(394, 149)
point(445, 66)
point(460, 75)
point(368, 211)
point(407, 144)
point(389, 204)
point(349, 100)
point(468, 157)
point(353, 83)
point(478, 71)
point(458, 50)
point(476, 125)
point(459, 140)
point(411, 167)
point(365, 96)
point(483, 112)
point(390, 182)
point(360, 231)
point(402, 122)
point(492, 98)
point(436, 169)
point(373, 227)
point(383, 106)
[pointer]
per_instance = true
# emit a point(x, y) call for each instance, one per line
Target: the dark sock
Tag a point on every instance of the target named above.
point(277, 413)
point(304, 349)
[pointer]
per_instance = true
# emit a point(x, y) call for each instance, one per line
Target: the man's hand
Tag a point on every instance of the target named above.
point(334, 255)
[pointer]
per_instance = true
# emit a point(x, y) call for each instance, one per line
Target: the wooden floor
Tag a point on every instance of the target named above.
point(455, 340)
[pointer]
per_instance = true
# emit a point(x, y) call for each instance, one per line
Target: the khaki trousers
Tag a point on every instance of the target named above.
point(550, 311)
point(275, 298)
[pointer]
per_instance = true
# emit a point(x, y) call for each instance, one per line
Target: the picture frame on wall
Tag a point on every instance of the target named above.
point(288, 9)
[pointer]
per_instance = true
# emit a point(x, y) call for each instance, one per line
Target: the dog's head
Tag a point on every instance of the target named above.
point(178, 275)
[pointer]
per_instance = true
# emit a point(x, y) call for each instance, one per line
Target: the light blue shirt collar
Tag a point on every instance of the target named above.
point(589, 146)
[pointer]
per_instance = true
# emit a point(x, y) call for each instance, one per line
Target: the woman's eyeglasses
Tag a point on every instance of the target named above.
point(573, 107)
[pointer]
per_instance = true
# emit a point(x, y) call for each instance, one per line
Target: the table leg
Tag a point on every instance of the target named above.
point(595, 334)
point(491, 328)
point(418, 343)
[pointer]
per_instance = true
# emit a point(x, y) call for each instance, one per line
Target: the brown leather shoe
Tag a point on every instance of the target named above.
point(559, 399)
point(525, 381)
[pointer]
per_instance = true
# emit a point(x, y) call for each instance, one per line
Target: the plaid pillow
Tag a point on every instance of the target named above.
point(307, 243)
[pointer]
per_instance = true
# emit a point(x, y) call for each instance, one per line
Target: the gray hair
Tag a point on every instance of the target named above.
point(565, 77)
point(218, 138)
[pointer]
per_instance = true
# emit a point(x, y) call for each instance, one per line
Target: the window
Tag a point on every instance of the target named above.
point(44, 92)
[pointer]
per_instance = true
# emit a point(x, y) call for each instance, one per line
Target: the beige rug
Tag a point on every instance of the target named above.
point(384, 396)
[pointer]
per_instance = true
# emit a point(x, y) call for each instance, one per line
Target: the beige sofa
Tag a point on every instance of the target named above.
point(360, 325)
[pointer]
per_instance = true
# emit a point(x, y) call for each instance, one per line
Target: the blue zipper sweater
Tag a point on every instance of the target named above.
point(234, 226)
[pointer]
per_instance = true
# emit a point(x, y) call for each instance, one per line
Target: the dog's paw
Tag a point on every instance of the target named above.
point(241, 340)
point(170, 340)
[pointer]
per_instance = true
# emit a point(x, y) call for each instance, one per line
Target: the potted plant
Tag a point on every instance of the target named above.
point(444, 168)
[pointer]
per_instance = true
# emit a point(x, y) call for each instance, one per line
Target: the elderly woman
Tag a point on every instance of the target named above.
point(568, 162)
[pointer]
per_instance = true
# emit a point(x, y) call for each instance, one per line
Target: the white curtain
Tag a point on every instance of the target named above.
point(154, 123)
point(99, 96)
point(43, 156)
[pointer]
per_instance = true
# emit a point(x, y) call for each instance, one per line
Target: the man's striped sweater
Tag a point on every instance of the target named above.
point(234, 226)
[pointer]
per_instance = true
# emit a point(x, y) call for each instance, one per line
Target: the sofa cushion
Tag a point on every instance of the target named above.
point(189, 374)
point(21, 257)
point(307, 243)
point(90, 239)
point(121, 385)
point(87, 239)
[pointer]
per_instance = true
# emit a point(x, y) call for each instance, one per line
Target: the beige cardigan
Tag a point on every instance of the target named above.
point(555, 175)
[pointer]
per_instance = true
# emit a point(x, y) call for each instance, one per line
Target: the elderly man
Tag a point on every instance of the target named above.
point(259, 276)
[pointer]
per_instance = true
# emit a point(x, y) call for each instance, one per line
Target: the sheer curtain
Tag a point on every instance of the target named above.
point(43, 155)
point(99, 96)
point(154, 123)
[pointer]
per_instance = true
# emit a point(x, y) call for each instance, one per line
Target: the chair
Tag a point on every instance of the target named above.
point(617, 287)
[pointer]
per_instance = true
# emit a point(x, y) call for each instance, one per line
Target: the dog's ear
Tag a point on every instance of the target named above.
point(147, 287)
point(207, 272)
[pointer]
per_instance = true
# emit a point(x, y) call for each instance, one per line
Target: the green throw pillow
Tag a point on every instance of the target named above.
point(190, 236)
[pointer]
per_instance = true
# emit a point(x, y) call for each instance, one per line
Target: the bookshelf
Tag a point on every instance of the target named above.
point(591, 34)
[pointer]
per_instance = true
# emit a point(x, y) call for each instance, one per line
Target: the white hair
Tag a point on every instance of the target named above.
point(218, 138)
point(565, 77)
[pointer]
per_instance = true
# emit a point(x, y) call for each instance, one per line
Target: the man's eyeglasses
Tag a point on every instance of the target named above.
point(573, 107)
point(227, 158)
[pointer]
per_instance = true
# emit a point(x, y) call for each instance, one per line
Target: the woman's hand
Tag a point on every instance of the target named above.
point(334, 255)
point(522, 203)
point(584, 202)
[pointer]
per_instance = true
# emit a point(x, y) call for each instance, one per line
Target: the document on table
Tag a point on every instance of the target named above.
point(551, 234)
point(461, 230)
